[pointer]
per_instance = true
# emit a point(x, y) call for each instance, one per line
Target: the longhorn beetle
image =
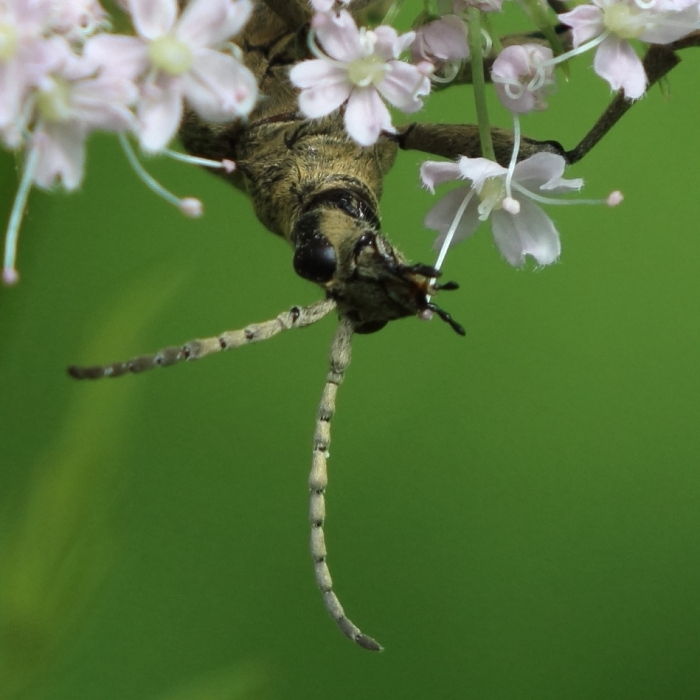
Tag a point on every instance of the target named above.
point(312, 185)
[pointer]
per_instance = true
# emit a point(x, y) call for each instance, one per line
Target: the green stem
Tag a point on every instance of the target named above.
point(539, 13)
point(478, 82)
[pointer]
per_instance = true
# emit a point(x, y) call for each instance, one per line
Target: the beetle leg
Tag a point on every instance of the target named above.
point(659, 60)
point(454, 140)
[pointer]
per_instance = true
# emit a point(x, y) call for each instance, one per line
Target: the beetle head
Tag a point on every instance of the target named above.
point(339, 247)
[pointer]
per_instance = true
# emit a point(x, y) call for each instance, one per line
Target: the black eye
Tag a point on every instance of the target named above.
point(314, 258)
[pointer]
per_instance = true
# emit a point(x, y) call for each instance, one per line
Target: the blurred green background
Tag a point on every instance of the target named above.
point(513, 515)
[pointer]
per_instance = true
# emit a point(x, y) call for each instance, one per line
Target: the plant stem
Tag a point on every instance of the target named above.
point(478, 82)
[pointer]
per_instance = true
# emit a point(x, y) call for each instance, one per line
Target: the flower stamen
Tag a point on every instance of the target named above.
point(9, 272)
point(187, 205)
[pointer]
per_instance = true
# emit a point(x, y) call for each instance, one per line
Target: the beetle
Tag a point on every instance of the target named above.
point(311, 184)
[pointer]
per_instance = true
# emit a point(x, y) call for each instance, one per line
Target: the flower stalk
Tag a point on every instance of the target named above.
point(479, 84)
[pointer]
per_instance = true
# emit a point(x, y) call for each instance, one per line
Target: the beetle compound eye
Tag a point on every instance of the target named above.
point(315, 259)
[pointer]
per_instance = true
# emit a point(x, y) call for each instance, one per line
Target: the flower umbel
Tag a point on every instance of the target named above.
point(359, 66)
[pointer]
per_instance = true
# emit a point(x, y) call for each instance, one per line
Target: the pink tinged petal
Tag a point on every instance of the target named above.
point(72, 66)
point(616, 62)
point(153, 18)
point(512, 63)
point(218, 87)
point(442, 215)
point(389, 45)
point(212, 22)
point(74, 18)
point(325, 87)
point(322, 5)
point(403, 43)
point(308, 74)
point(13, 89)
point(510, 73)
point(29, 12)
point(61, 155)
point(478, 170)
point(544, 171)
point(338, 35)
point(102, 103)
point(667, 27)
point(433, 172)
point(118, 56)
point(674, 5)
point(403, 86)
point(445, 39)
point(522, 104)
point(366, 116)
point(530, 232)
point(159, 113)
point(52, 55)
point(586, 21)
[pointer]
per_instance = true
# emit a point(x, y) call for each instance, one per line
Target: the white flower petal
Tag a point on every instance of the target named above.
point(544, 171)
point(388, 45)
point(12, 88)
point(118, 55)
point(308, 74)
point(442, 215)
point(366, 116)
point(326, 87)
point(403, 86)
point(433, 172)
point(530, 232)
point(61, 155)
point(616, 62)
point(338, 35)
point(211, 22)
point(669, 26)
point(159, 113)
point(478, 170)
point(444, 39)
point(102, 103)
point(29, 12)
point(218, 87)
point(153, 18)
point(586, 21)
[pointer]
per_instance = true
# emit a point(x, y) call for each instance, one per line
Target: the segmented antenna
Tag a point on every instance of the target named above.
point(296, 317)
point(318, 480)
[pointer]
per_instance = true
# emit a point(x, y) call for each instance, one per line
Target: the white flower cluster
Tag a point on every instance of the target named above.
point(63, 76)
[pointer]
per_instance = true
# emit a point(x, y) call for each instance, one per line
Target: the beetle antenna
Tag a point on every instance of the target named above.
point(447, 318)
point(318, 480)
point(296, 317)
